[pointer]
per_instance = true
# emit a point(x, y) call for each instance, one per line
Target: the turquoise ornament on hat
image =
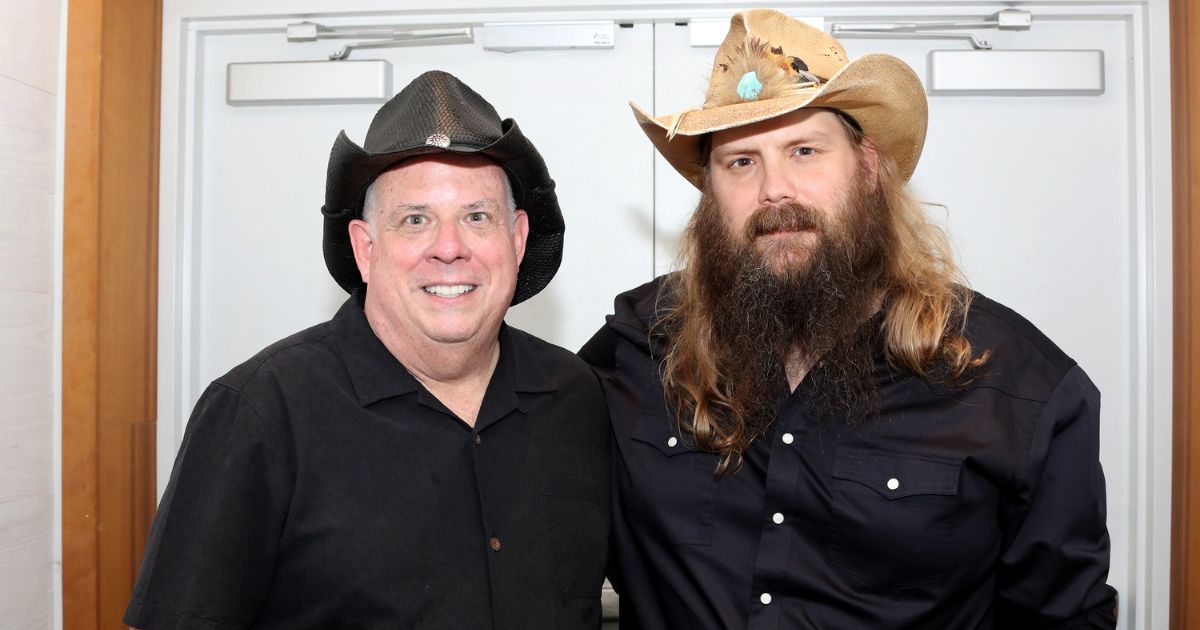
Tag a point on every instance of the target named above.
point(749, 87)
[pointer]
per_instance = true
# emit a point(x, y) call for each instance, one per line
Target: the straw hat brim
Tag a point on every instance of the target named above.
point(880, 92)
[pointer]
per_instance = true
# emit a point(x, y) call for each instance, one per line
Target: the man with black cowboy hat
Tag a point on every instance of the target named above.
point(413, 462)
point(817, 425)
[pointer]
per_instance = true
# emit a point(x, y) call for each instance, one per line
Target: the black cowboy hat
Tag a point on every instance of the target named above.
point(434, 113)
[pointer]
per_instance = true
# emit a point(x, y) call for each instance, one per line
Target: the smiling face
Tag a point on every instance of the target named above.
point(805, 158)
point(441, 253)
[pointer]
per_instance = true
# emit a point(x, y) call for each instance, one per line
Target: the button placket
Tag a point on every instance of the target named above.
point(771, 567)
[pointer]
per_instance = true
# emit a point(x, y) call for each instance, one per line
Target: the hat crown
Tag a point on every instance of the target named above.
point(782, 52)
point(435, 109)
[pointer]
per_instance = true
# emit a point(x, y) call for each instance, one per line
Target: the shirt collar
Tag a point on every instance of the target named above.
point(376, 374)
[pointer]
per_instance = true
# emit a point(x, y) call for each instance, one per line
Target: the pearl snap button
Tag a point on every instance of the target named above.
point(788, 438)
point(893, 483)
point(765, 598)
point(777, 518)
point(672, 441)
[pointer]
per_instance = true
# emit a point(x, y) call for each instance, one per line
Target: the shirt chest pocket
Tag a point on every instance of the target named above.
point(893, 515)
point(670, 489)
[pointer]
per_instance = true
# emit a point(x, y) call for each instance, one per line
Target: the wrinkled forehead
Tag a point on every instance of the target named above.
point(474, 161)
point(442, 168)
point(466, 170)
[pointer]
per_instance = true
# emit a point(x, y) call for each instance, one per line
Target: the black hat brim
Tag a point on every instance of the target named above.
point(352, 169)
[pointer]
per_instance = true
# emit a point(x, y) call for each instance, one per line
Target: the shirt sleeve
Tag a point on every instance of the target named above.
point(1053, 569)
point(211, 551)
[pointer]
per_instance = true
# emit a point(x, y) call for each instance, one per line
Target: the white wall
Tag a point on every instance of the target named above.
point(29, 139)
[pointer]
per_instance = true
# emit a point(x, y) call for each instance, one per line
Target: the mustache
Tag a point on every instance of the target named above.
point(792, 217)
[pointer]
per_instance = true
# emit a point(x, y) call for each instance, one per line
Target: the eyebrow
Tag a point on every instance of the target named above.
point(421, 207)
point(482, 203)
point(808, 137)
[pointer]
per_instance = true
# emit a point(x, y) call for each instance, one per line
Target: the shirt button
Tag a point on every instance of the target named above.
point(765, 598)
point(494, 543)
point(788, 438)
point(777, 518)
point(672, 441)
point(893, 483)
point(478, 441)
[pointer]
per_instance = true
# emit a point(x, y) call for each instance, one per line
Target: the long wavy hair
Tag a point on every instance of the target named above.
point(925, 300)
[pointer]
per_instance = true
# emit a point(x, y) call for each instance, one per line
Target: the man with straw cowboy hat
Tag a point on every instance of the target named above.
point(816, 423)
point(413, 462)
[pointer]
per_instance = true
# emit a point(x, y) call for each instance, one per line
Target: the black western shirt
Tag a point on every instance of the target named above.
point(319, 485)
point(979, 507)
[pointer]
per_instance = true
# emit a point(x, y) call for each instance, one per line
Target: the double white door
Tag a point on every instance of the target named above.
point(1048, 199)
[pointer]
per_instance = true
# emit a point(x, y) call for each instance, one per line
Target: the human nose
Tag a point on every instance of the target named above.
point(449, 243)
point(776, 186)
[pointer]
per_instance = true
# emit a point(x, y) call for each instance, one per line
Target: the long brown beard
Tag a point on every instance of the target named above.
point(768, 298)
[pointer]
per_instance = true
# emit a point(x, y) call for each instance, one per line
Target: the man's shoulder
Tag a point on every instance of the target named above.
point(556, 362)
point(645, 291)
point(295, 354)
point(1020, 351)
point(634, 314)
point(636, 310)
point(990, 322)
point(646, 294)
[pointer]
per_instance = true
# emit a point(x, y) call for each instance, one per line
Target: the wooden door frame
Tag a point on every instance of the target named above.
point(109, 284)
point(110, 288)
point(1185, 160)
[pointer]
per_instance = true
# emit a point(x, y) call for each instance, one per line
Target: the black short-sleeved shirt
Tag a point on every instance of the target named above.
point(319, 485)
point(958, 508)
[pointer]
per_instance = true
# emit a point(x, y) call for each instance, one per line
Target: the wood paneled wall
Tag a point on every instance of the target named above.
point(109, 301)
point(1185, 106)
point(28, 137)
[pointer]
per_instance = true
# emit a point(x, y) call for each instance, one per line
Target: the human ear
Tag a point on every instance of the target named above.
point(362, 241)
point(520, 233)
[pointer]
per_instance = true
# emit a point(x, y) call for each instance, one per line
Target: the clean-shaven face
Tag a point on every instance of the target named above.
point(441, 254)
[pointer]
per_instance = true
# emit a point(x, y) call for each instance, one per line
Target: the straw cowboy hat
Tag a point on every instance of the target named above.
point(439, 113)
point(771, 64)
